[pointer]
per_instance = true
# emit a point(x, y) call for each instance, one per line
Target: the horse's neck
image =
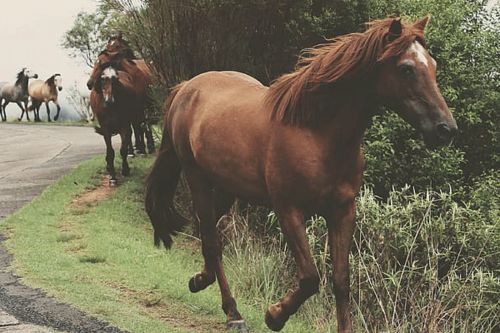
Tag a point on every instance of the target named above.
point(24, 84)
point(353, 113)
point(52, 89)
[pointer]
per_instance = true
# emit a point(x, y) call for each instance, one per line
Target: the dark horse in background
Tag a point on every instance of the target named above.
point(118, 50)
point(295, 146)
point(116, 100)
point(17, 92)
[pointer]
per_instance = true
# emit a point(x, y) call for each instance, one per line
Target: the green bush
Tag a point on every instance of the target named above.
point(465, 41)
point(420, 263)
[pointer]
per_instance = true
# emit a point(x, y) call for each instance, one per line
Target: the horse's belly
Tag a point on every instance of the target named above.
point(231, 157)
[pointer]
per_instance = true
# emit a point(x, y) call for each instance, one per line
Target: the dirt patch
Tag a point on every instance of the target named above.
point(167, 310)
point(93, 196)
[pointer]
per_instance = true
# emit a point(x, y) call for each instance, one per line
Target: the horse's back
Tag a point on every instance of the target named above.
point(35, 88)
point(219, 124)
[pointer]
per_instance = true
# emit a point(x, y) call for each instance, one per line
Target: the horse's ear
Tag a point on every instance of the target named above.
point(420, 24)
point(395, 29)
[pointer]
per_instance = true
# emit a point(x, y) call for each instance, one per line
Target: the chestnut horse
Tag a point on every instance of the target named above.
point(295, 146)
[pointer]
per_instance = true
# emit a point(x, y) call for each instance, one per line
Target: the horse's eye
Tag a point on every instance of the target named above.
point(406, 70)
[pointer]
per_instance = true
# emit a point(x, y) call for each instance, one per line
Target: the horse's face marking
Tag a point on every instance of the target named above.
point(418, 52)
point(409, 85)
point(58, 81)
point(109, 77)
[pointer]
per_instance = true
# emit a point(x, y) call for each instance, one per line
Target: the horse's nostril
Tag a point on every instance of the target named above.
point(445, 132)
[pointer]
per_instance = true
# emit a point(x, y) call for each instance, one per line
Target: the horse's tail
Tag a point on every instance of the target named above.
point(161, 185)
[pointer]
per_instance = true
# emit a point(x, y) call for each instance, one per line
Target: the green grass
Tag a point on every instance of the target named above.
point(100, 258)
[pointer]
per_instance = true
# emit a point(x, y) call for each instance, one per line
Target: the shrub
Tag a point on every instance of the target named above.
point(420, 263)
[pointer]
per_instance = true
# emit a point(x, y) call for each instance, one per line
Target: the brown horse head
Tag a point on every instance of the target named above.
point(55, 82)
point(407, 83)
point(388, 64)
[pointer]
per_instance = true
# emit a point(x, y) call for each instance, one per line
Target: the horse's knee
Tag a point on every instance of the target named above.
point(310, 285)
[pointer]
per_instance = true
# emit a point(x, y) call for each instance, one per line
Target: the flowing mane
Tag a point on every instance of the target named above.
point(342, 59)
point(20, 77)
point(51, 80)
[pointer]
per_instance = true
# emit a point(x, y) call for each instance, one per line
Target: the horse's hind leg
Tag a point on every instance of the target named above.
point(205, 206)
point(293, 228)
point(126, 136)
point(149, 137)
point(139, 138)
point(131, 151)
point(110, 159)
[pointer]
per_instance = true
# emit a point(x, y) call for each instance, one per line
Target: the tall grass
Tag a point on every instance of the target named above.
point(419, 263)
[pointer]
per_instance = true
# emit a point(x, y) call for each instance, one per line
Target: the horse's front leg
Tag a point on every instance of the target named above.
point(48, 111)
point(341, 224)
point(58, 110)
point(110, 159)
point(126, 136)
point(22, 112)
point(293, 228)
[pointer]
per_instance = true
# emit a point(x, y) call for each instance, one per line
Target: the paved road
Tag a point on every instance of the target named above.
point(31, 158)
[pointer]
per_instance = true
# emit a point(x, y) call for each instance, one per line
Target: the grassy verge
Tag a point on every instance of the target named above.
point(98, 255)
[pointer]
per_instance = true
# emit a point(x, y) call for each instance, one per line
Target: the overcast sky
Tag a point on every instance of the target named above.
point(31, 35)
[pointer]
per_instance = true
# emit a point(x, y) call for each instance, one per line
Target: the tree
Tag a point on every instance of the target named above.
point(88, 36)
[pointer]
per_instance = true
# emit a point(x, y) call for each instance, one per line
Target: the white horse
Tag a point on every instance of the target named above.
point(17, 92)
point(44, 92)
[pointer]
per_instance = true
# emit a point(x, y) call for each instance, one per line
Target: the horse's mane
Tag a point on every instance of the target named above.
point(20, 76)
point(50, 80)
point(341, 60)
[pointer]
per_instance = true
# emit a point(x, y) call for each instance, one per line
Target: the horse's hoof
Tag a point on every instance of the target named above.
point(237, 325)
point(200, 282)
point(275, 317)
point(113, 182)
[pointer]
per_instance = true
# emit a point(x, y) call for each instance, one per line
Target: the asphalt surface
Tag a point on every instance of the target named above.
point(31, 158)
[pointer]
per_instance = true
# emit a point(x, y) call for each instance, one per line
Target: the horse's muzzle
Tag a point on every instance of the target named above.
point(442, 135)
point(90, 84)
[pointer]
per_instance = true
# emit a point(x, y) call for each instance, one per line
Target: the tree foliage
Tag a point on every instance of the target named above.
point(263, 38)
point(87, 37)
